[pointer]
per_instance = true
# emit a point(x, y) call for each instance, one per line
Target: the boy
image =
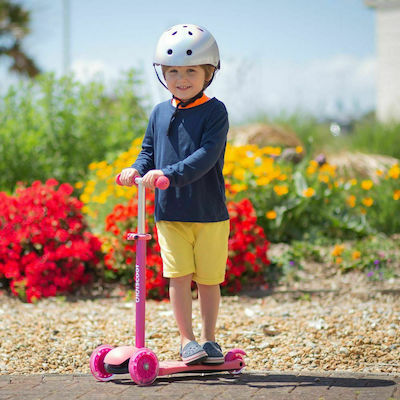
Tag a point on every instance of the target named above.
point(185, 140)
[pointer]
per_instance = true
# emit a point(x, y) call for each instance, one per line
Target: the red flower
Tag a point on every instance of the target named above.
point(45, 248)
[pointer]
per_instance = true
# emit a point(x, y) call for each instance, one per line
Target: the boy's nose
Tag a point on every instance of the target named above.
point(181, 75)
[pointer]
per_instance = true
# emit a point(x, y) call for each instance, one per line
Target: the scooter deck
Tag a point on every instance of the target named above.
point(176, 367)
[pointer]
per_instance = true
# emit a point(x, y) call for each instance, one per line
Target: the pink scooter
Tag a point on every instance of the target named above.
point(140, 362)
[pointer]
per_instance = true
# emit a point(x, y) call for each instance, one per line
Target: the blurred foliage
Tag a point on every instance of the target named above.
point(54, 128)
point(14, 26)
point(365, 134)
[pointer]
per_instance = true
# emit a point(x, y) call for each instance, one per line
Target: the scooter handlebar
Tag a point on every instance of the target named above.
point(162, 182)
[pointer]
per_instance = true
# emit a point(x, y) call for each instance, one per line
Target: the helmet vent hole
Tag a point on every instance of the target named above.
point(169, 51)
point(175, 33)
point(190, 33)
point(189, 52)
point(201, 30)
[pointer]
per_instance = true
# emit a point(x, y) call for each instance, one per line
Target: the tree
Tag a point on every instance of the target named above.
point(14, 26)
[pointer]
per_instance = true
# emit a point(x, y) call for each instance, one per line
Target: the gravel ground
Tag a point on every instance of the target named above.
point(347, 329)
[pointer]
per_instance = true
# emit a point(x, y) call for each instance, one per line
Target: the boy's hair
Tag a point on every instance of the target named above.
point(208, 69)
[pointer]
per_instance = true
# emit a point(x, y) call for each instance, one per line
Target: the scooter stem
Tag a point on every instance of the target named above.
point(141, 237)
point(141, 206)
point(140, 290)
point(140, 270)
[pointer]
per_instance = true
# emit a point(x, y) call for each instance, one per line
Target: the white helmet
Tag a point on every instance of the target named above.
point(187, 44)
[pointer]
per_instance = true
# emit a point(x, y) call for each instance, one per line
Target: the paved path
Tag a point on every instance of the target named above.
point(253, 385)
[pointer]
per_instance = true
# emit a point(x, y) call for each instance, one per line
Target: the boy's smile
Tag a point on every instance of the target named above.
point(185, 82)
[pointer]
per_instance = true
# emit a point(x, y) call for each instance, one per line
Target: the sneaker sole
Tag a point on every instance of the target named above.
point(214, 360)
point(195, 359)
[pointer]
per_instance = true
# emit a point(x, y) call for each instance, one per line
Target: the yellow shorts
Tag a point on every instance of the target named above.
point(194, 248)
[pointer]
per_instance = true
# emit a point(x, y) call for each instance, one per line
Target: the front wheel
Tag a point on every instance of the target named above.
point(97, 367)
point(143, 367)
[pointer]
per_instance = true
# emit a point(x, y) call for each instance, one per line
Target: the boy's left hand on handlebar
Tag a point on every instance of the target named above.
point(150, 178)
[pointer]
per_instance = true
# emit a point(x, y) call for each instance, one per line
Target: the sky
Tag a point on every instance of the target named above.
point(277, 57)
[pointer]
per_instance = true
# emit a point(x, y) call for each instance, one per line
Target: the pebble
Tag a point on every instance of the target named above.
point(334, 331)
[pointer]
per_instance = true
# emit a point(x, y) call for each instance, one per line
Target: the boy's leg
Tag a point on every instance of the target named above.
point(181, 300)
point(209, 300)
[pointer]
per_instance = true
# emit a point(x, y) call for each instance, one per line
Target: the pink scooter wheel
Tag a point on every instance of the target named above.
point(235, 354)
point(97, 363)
point(143, 367)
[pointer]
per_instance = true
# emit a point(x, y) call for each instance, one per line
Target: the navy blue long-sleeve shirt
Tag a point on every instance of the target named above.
point(192, 157)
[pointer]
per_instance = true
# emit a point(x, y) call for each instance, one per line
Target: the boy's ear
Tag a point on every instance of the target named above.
point(210, 70)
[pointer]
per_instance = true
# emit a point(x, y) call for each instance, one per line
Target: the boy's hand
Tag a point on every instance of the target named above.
point(150, 178)
point(128, 176)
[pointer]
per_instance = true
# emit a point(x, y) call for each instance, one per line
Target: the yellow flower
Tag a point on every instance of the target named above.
point(281, 190)
point(102, 164)
point(379, 172)
point(338, 250)
point(239, 173)
point(228, 168)
point(262, 181)
point(351, 200)
point(85, 198)
point(310, 170)
point(367, 184)
point(323, 178)
point(353, 182)
point(89, 189)
point(281, 177)
point(339, 260)
point(270, 214)
point(329, 169)
point(238, 187)
point(79, 185)
point(367, 201)
point(299, 149)
point(309, 192)
point(396, 195)
point(356, 255)
point(394, 171)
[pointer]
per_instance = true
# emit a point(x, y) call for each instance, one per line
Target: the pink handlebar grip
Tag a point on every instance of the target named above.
point(117, 181)
point(161, 183)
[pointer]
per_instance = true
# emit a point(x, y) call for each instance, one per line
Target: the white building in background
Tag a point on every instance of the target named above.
point(388, 48)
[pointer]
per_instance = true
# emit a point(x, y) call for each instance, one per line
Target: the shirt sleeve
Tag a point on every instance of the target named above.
point(206, 156)
point(145, 159)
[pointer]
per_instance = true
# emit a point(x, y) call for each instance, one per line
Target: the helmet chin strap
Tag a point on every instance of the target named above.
point(182, 104)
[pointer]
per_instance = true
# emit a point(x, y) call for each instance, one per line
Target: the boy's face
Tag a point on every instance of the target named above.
point(185, 82)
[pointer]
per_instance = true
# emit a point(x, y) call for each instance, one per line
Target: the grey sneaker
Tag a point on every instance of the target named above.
point(193, 353)
point(214, 353)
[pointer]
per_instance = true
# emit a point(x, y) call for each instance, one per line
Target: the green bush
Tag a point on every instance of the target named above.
point(54, 128)
point(366, 134)
point(373, 137)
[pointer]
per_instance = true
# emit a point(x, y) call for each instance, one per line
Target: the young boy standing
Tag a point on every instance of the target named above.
point(185, 140)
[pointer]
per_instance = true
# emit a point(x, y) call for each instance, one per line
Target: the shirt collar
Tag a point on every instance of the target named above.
point(201, 100)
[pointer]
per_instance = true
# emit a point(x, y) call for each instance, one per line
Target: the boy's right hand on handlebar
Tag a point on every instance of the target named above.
point(128, 175)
